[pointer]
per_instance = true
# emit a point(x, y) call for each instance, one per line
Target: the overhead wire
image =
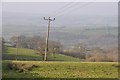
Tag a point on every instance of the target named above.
point(65, 7)
point(56, 11)
point(71, 8)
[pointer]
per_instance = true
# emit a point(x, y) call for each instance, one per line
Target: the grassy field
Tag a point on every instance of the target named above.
point(52, 69)
point(63, 67)
point(28, 54)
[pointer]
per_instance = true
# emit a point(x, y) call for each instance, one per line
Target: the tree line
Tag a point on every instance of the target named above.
point(36, 43)
point(80, 50)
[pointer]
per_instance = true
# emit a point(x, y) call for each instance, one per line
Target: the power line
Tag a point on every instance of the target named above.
point(71, 9)
point(66, 9)
point(57, 11)
point(70, 4)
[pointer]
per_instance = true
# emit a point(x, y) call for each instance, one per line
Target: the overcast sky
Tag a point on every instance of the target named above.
point(55, 8)
point(30, 12)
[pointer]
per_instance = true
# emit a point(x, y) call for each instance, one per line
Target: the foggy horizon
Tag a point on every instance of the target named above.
point(64, 13)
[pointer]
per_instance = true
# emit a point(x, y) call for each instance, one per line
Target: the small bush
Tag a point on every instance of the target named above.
point(21, 67)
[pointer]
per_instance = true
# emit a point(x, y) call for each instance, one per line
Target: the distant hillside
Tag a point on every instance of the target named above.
point(28, 54)
point(68, 36)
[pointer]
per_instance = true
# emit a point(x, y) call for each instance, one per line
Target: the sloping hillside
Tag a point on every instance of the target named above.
point(28, 54)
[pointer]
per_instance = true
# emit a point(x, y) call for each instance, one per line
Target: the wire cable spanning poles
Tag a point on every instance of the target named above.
point(47, 36)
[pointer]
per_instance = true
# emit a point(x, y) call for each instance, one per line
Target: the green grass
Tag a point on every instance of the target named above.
point(52, 69)
point(21, 51)
point(28, 54)
point(63, 67)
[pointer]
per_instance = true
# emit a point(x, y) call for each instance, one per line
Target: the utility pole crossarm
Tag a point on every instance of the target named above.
point(47, 36)
point(45, 18)
point(49, 19)
point(52, 19)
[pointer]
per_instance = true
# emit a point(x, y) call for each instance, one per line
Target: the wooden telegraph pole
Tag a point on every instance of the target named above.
point(47, 36)
point(17, 47)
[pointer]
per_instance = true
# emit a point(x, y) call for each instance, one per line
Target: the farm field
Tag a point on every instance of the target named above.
point(57, 69)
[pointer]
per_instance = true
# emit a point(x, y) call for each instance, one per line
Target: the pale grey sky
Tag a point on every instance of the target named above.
point(90, 8)
point(31, 12)
point(60, 0)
